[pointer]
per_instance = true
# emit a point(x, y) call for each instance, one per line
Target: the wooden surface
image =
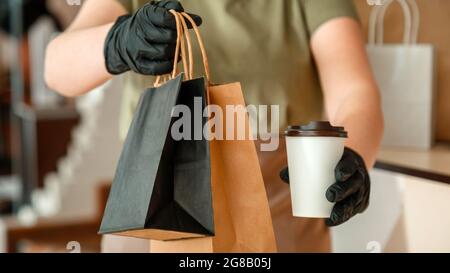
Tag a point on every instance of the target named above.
point(45, 135)
point(435, 22)
point(55, 232)
point(53, 135)
point(432, 165)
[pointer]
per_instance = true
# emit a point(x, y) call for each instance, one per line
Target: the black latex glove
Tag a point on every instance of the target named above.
point(350, 192)
point(145, 41)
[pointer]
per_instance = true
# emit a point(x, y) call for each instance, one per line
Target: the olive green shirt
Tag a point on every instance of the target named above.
point(264, 44)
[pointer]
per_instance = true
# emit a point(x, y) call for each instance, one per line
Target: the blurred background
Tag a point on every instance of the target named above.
point(58, 155)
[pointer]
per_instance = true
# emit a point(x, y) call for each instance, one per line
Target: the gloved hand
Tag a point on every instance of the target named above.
point(350, 192)
point(145, 41)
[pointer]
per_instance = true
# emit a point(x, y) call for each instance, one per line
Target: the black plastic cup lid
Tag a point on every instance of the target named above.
point(316, 128)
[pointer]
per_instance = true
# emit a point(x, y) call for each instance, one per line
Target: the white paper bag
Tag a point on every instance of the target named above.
point(405, 76)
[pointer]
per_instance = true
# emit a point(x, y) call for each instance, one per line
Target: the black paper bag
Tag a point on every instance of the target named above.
point(162, 187)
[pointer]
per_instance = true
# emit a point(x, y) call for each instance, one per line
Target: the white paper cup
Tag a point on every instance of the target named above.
point(313, 152)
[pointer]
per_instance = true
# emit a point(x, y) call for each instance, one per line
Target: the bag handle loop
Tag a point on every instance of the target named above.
point(182, 35)
point(411, 22)
point(160, 79)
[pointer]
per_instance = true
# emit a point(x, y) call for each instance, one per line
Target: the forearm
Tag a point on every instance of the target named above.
point(75, 61)
point(361, 116)
point(350, 91)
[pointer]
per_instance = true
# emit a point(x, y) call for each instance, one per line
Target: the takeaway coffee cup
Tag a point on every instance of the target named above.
point(313, 152)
